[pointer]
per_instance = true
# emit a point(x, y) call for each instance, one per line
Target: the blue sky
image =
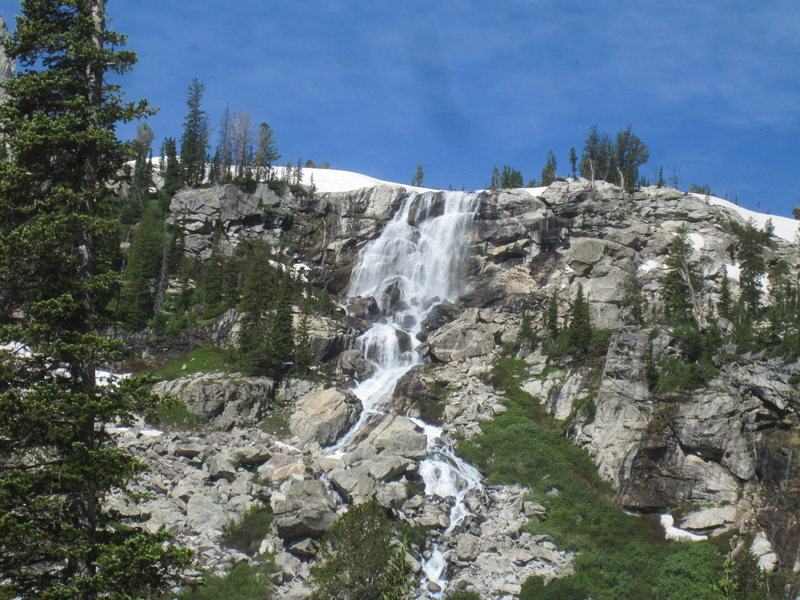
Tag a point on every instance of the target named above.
point(712, 88)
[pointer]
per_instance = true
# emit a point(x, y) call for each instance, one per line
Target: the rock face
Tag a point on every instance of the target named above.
point(720, 458)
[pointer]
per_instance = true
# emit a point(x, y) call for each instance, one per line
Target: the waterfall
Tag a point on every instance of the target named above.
point(414, 264)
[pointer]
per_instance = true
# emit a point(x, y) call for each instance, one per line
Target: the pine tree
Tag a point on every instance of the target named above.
point(750, 256)
point(579, 330)
point(280, 336)
point(224, 153)
point(552, 317)
point(630, 153)
point(58, 250)
point(303, 356)
point(213, 283)
point(549, 171)
point(172, 172)
point(725, 305)
point(139, 189)
point(194, 141)
point(360, 558)
point(144, 260)
point(267, 152)
point(573, 160)
point(680, 284)
point(495, 178)
point(257, 293)
point(510, 178)
point(416, 181)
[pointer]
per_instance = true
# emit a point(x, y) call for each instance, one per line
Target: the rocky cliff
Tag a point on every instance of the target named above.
point(720, 457)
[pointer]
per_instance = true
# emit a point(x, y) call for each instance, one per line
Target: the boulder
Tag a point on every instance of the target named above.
point(466, 337)
point(304, 509)
point(225, 399)
point(323, 415)
point(356, 485)
point(281, 467)
point(398, 436)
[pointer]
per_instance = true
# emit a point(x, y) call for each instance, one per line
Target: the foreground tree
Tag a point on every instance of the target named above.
point(361, 559)
point(58, 253)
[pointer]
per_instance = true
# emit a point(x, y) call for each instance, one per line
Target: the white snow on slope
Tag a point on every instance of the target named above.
point(334, 180)
point(785, 227)
point(679, 535)
point(698, 241)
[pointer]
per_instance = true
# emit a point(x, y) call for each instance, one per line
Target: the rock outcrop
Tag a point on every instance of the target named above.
point(721, 458)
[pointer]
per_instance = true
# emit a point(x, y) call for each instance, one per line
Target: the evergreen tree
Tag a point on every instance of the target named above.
point(552, 317)
point(172, 172)
point(139, 189)
point(750, 256)
point(681, 282)
point(633, 299)
point(495, 179)
point(510, 178)
point(213, 283)
point(224, 152)
point(144, 260)
point(303, 357)
point(418, 177)
point(361, 559)
point(579, 330)
point(58, 249)
point(573, 160)
point(549, 171)
point(257, 293)
point(194, 141)
point(267, 152)
point(725, 305)
point(280, 336)
point(630, 153)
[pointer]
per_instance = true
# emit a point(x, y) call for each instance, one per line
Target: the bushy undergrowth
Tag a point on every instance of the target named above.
point(246, 532)
point(172, 413)
point(243, 582)
point(620, 556)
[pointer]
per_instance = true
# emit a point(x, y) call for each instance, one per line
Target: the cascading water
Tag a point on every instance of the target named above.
point(414, 264)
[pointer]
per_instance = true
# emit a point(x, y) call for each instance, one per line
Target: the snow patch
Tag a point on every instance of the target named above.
point(733, 271)
point(698, 241)
point(676, 534)
point(648, 266)
point(785, 227)
point(334, 180)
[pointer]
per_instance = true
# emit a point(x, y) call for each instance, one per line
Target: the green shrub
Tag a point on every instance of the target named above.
point(246, 532)
point(243, 582)
point(464, 595)
point(360, 558)
point(172, 413)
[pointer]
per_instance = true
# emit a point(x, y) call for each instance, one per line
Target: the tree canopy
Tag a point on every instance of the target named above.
point(58, 262)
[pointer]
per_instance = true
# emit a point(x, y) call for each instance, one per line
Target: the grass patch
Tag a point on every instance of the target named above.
point(172, 413)
point(246, 532)
point(620, 556)
point(276, 422)
point(203, 360)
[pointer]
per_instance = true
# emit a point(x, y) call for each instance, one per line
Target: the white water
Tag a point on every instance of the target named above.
point(414, 264)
